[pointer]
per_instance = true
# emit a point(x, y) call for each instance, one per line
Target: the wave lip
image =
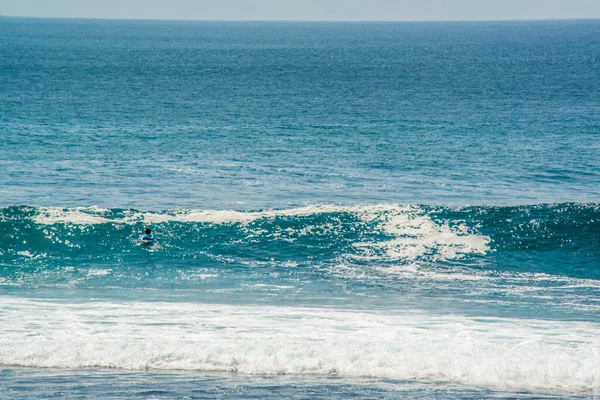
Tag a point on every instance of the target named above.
point(498, 353)
point(97, 215)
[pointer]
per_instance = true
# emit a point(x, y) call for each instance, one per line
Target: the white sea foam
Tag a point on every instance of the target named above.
point(79, 216)
point(416, 235)
point(97, 272)
point(419, 235)
point(95, 215)
point(503, 353)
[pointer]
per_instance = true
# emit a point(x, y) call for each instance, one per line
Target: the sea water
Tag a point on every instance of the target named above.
point(369, 210)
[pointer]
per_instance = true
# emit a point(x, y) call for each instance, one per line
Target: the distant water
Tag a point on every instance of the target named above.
point(375, 210)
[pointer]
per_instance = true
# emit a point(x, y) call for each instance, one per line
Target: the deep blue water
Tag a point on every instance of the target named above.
point(374, 210)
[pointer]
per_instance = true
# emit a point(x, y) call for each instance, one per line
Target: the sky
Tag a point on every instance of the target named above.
point(307, 10)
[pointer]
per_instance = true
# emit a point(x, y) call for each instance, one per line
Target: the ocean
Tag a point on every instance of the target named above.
point(343, 210)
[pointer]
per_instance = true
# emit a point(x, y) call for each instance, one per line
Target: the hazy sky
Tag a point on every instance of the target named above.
point(313, 10)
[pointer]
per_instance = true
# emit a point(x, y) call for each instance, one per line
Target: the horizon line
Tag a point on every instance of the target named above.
point(301, 20)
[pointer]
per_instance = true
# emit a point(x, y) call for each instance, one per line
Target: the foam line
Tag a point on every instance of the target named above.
point(499, 353)
point(96, 215)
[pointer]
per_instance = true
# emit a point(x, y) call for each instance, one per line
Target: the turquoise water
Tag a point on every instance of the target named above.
point(374, 210)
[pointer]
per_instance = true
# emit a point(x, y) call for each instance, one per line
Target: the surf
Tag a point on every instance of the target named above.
point(266, 340)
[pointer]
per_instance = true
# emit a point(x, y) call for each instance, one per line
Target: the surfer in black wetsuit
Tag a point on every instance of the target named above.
point(149, 238)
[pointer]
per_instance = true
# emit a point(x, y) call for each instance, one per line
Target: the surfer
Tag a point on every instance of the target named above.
point(149, 238)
